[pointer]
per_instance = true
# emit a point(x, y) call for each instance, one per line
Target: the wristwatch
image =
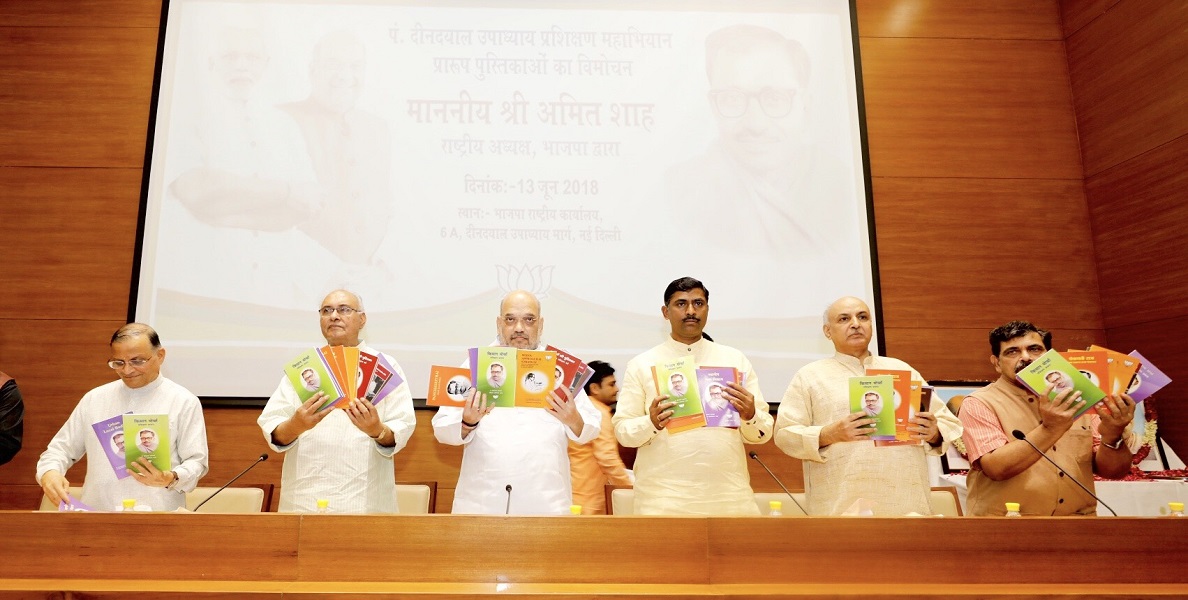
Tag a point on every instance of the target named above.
point(173, 484)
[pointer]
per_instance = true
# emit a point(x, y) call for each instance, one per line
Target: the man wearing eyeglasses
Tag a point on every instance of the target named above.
point(343, 455)
point(516, 460)
point(136, 357)
point(764, 174)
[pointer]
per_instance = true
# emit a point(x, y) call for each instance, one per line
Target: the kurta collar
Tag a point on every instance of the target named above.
point(852, 363)
point(143, 392)
point(683, 348)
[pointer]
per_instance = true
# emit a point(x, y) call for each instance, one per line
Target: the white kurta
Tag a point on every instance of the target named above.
point(703, 471)
point(526, 448)
point(895, 477)
point(101, 489)
point(335, 460)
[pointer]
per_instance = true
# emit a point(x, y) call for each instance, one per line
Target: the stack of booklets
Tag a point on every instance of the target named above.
point(1096, 373)
point(509, 377)
point(699, 394)
point(128, 437)
point(891, 397)
point(344, 374)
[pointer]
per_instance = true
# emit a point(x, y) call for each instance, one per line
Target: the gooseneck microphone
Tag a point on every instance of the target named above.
point(777, 480)
point(507, 509)
point(263, 457)
point(1020, 435)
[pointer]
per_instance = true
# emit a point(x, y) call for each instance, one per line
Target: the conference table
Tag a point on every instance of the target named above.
point(1142, 498)
point(166, 555)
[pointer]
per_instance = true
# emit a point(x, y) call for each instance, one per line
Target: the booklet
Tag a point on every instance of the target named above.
point(448, 386)
point(875, 396)
point(902, 391)
point(677, 380)
point(111, 439)
point(350, 385)
point(147, 436)
point(495, 375)
point(309, 373)
point(1052, 368)
point(535, 377)
point(1093, 364)
point(719, 412)
point(570, 372)
point(1147, 381)
point(1122, 368)
point(384, 380)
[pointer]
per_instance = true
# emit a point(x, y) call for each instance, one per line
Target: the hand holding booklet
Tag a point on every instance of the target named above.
point(343, 374)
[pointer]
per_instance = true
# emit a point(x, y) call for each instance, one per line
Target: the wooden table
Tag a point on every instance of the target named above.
point(151, 555)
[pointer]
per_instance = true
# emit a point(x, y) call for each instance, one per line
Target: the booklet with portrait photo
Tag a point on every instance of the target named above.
point(147, 436)
point(1052, 368)
point(574, 374)
point(535, 377)
point(1122, 368)
point(310, 373)
point(495, 375)
point(111, 439)
point(448, 386)
point(902, 390)
point(384, 379)
point(715, 404)
point(875, 396)
point(678, 381)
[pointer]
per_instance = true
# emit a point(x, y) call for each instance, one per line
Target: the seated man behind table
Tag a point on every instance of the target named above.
point(596, 464)
point(521, 449)
point(343, 455)
point(1005, 469)
point(841, 462)
point(136, 357)
point(702, 471)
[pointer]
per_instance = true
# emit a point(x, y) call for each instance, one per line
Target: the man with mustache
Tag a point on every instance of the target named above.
point(525, 450)
point(1005, 469)
point(841, 462)
point(702, 471)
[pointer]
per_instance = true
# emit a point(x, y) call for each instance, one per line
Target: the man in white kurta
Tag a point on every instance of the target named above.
point(137, 356)
point(342, 455)
point(841, 463)
point(526, 449)
point(702, 471)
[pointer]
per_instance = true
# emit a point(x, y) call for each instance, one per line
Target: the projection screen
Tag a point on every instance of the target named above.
point(434, 155)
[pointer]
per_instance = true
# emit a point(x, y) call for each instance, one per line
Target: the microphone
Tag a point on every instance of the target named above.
point(777, 480)
point(507, 509)
point(1020, 435)
point(263, 457)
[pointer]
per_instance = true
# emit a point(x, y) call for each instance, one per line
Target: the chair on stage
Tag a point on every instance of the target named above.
point(417, 497)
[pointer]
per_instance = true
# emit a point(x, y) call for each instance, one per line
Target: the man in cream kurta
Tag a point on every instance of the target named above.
point(515, 460)
point(702, 471)
point(136, 357)
point(343, 455)
point(841, 464)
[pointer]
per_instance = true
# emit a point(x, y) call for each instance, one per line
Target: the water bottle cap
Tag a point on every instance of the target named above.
point(129, 504)
point(1012, 506)
point(1176, 506)
point(323, 504)
point(775, 505)
point(575, 509)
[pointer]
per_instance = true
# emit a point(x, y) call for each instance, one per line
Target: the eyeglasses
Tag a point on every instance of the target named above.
point(529, 321)
point(733, 103)
point(137, 363)
point(344, 311)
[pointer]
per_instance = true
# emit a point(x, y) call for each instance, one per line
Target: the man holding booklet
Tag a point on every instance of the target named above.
point(824, 421)
point(1005, 469)
point(97, 422)
point(684, 465)
point(515, 459)
point(340, 449)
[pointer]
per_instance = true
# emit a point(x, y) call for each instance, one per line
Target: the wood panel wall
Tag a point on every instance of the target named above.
point(971, 129)
point(1128, 65)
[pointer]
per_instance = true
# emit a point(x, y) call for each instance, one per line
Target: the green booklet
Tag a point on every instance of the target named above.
point(875, 396)
point(678, 381)
point(309, 374)
point(1053, 369)
point(147, 436)
point(495, 375)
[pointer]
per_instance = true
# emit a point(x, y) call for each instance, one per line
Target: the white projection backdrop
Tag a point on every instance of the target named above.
point(433, 156)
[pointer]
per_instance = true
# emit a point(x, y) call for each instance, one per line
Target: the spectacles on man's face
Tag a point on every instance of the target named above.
point(137, 363)
point(344, 311)
point(733, 103)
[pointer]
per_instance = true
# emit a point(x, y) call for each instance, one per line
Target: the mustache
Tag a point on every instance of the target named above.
point(1023, 364)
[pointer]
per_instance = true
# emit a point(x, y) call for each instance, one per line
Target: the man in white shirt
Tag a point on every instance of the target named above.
point(702, 471)
point(342, 455)
point(515, 459)
point(136, 357)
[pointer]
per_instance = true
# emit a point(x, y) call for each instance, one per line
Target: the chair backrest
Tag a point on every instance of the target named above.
point(944, 501)
point(230, 500)
point(622, 501)
point(416, 498)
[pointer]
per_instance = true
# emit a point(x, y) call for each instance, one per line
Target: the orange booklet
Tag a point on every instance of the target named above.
point(1122, 368)
point(448, 386)
point(535, 377)
point(905, 391)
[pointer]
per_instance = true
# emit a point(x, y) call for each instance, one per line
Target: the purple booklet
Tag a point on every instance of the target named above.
point(384, 379)
point(719, 412)
point(1147, 381)
point(111, 439)
point(72, 505)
